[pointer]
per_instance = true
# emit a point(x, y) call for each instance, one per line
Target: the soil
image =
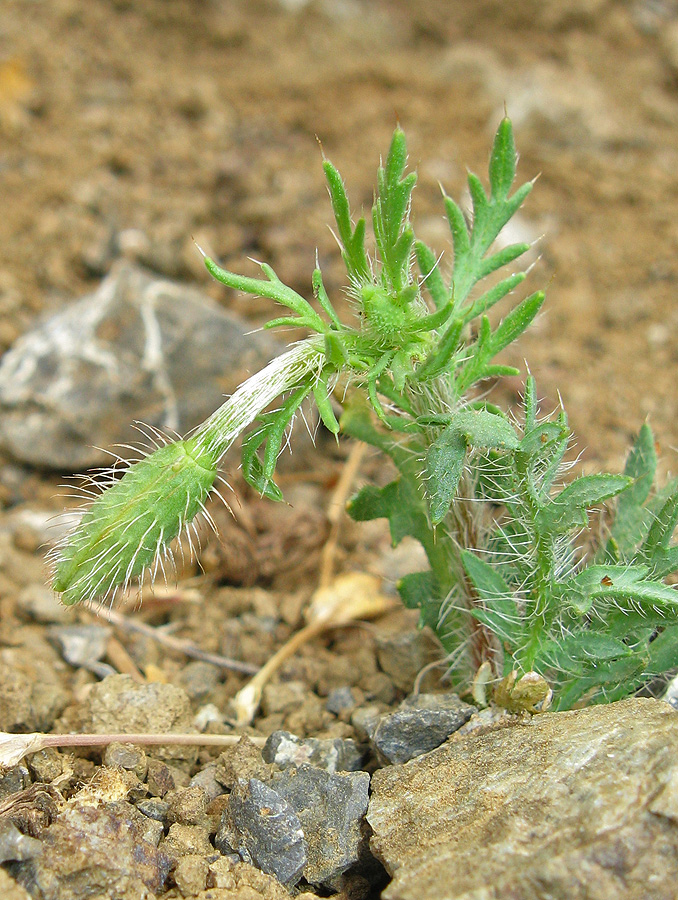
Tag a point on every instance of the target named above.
point(135, 128)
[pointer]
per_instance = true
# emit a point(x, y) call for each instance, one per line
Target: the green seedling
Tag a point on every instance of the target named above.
point(514, 591)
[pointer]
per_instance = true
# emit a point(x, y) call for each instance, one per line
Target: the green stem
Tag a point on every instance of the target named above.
point(289, 370)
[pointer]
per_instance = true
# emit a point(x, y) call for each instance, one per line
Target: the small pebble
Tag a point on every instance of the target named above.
point(126, 756)
point(207, 780)
point(184, 840)
point(190, 874)
point(187, 806)
point(285, 749)
point(422, 723)
point(154, 808)
point(242, 761)
point(342, 700)
point(46, 765)
point(269, 831)
point(330, 808)
point(15, 846)
point(162, 778)
point(199, 679)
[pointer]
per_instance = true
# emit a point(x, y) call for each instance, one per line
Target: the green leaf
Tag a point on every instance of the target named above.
point(321, 392)
point(352, 240)
point(253, 470)
point(568, 508)
point(494, 295)
point(661, 530)
point(437, 361)
point(484, 429)
point(620, 674)
point(641, 465)
point(593, 647)
point(530, 404)
point(278, 422)
point(486, 578)
point(417, 589)
point(503, 160)
point(513, 325)
point(501, 258)
point(392, 232)
point(274, 289)
point(430, 271)
point(632, 584)
point(444, 465)
point(498, 611)
point(664, 561)
point(396, 502)
point(664, 651)
point(542, 437)
point(321, 296)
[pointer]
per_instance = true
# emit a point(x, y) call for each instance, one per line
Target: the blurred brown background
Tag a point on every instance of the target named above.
point(132, 128)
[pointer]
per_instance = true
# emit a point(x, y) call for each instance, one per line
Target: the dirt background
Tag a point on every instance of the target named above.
point(134, 128)
point(185, 119)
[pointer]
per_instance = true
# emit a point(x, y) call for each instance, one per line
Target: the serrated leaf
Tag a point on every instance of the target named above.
point(444, 465)
point(437, 361)
point(515, 323)
point(662, 528)
point(503, 160)
point(253, 470)
point(592, 646)
point(417, 589)
point(493, 296)
point(633, 584)
point(641, 466)
point(664, 562)
point(541, 437)
point(569, 507)
point(501, 258)
point(274, 289)
point(484, 430)
point(431, 275)
point(357, 422)
point(352, 239)
point(321, 296)
point(619, 674)
point(664, 651)
point(498, 610)
point(396, 502)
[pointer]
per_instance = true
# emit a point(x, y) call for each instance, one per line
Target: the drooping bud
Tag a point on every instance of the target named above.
point(129, 526)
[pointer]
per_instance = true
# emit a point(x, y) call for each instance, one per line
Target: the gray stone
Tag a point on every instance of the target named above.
point(333, 755)
point(420, 724)
point(270, 835)
point(139, 347)
point(154, 808)
point(15, 846)
point(206, 779)
point(580, 804)
point(83, 646)
point(330, 808)
point(341, 700)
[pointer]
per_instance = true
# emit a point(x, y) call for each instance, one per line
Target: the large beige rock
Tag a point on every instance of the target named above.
point(580, 805)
